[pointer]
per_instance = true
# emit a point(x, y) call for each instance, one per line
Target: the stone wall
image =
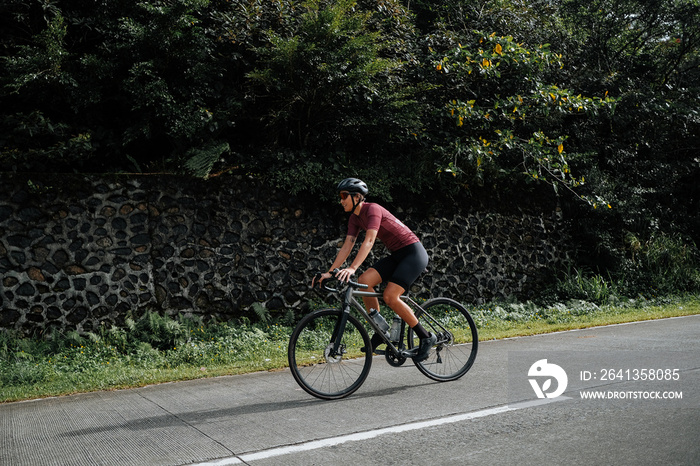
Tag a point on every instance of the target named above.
point(77, 252)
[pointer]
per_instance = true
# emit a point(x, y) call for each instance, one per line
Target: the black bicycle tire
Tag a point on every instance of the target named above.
point(352, 370)
point(447, 351)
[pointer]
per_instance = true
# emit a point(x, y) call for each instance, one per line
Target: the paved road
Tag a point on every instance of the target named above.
point(399, 417)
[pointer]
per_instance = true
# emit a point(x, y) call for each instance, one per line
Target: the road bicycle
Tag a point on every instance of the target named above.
point(330, 351)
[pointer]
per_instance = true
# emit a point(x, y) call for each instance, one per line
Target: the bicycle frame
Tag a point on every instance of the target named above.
point(323, 347)
point(349, 301)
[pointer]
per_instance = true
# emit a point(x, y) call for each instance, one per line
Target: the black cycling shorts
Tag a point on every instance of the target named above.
point(403, 266)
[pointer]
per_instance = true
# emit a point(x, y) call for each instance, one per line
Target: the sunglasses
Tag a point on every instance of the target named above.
point(344, 195)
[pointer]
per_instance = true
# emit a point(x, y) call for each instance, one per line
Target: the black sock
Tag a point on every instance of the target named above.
point(420, 331)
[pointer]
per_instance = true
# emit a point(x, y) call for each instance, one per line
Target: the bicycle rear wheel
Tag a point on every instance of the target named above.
point(457, 339)
point(316, 368)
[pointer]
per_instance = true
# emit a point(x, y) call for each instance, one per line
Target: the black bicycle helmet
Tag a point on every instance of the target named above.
point(353, 185)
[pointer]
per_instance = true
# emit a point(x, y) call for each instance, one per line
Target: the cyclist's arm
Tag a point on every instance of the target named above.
point(362, 254)
point(343, 254)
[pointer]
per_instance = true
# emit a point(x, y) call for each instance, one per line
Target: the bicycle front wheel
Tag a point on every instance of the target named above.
point(317, 368)
point(457, 339)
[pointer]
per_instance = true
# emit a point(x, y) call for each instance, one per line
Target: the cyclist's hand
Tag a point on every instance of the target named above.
point(319, 277)
point(345, 274)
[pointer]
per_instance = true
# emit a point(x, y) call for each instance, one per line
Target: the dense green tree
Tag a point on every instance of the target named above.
point(509, 118)
point(644, 159)
point(405, 94)
point(109, 85)
point(333, 96)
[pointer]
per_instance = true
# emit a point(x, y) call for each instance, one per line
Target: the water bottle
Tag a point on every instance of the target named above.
point(395, 332)
point(379, 320)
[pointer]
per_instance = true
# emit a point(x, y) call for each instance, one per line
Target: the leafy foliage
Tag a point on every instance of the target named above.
point(512, 118)
point(327, 90)
point(151, 341)
point(487, 99)
point(106, 83)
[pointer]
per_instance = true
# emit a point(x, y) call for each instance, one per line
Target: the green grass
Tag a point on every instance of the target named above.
point(576, 315)
point(157, 349)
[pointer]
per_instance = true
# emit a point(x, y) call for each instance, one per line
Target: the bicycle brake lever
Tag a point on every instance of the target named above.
point(328, 288)
point(320, 285)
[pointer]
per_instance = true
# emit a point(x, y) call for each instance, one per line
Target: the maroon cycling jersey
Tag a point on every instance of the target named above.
point(394, 234)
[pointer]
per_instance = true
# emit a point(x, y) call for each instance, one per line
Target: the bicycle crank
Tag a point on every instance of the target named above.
point(394, 359)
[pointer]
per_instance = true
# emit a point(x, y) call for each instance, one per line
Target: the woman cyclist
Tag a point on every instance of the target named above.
point(399, 270)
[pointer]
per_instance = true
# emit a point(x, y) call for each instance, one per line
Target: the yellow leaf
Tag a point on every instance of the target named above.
point(499, 49)
point(485, 63)
point(560, 148)
point(439, 66)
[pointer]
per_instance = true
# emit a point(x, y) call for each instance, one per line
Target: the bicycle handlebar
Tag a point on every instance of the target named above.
point(359, 286)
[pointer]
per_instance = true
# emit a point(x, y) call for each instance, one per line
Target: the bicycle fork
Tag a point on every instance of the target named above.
point(339, 330)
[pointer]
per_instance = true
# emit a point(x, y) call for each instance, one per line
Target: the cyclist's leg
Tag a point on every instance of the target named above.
point(392, 298)
point(413, 261)
point(392, 295)
point(371, 278)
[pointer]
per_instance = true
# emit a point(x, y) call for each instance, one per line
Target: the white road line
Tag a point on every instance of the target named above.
point(316, 444)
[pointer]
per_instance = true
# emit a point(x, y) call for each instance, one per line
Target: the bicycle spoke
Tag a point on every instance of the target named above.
point(314, 365)
point(457, 344)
